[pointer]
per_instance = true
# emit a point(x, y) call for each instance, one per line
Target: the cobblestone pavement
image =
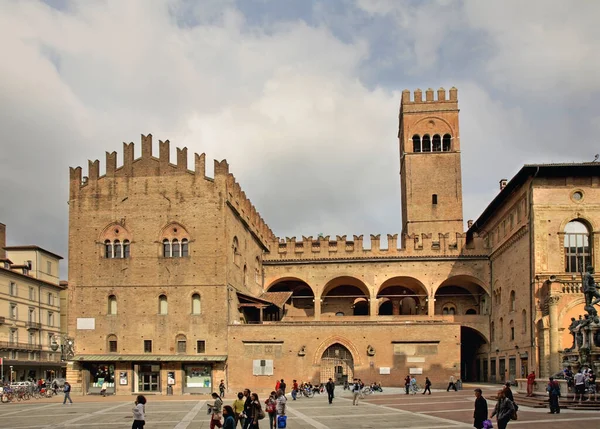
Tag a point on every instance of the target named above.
point(390, 411)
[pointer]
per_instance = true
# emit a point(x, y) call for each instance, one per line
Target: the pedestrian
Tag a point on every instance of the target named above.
point(247, 408)
point(530, 383)
point(553, 390)
point(294, 389)
point(228, 416)
point(238, 409)
point(104, 387)
point(222, 388)
point(67, 392)
point(355, 392)
point(281, 407)
point(277, 385)
point(481, 409)
point(503, 410)
point(427, 385)
point(591, 385)
point(579, 385)
point(139, 413)
point(216, 410)
point(509, 395)
point(282, 386)
point(330, 387)
point(451, 384)
point(407, 383)
point(255, 410)
point(271, 409)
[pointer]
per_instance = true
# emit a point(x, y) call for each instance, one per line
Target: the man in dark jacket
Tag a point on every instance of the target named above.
point(481, 409)
point(406, 383)
point(330, 387)
point(247, 409)
point(554, 392)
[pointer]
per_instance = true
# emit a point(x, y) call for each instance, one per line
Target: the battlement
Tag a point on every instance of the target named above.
point(442, 96)
point(147, 166)
point(423, 245)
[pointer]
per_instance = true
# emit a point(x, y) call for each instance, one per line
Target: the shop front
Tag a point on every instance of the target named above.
point(98, 375)
point(198, 378)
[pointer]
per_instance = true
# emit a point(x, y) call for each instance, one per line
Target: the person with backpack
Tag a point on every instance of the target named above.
point(281, 420)
point(427, 385)
point(503, 411)
point(67, 392)
point(216, 409)
point(271, 409)
point(553, 390)
point(355, 392)
point(256, 411)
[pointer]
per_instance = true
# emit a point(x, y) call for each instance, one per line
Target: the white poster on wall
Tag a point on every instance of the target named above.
point(384, 370)
point(86, 323)
point(415, 371)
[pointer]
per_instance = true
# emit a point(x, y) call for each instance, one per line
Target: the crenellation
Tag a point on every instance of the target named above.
point(453, 94)
point(392, 242)
point(221, 168)
point(200, 164)
point(441, 94)
point(128, 157)
point(111, 163)
point(182, 159)
point(429, 94)
point(93, 170)
point(147, 146)
point(375, 243)
point(418, 96)
point(164, 154)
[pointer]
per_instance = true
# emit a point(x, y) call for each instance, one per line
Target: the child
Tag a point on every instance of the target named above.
point(139, 413)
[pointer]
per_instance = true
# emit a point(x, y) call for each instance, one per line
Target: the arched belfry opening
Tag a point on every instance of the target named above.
point(337, 363)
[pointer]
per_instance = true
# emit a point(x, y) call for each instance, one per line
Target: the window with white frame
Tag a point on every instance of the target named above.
point(13, 311)
point(50, 318)
point(12, 289)
point(14, 336)
point(578, 251)
point(196, 308)
point(31, 294)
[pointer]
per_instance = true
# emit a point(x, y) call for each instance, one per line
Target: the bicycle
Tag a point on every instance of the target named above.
point(365, 392)
point(415, 388)
point(307, 392)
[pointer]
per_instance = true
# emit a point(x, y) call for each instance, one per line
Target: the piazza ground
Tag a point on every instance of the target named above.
point(390, 410)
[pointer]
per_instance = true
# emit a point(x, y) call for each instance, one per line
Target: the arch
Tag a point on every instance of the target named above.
point(360, 307)
point(114, 231)
point(175, 248)
point(181, 343)
point(302, 301)
point(112, 305)
point(108, 249)
point(407, 294)
point(575, 216)
point(337, 364)
point(426, 143)
point(416, 140)
point(163, 304)
point(112, 343)
point(175, 240)
point(441, 123)
point(436, 143)
point(235, 248)
point(449, 309)
point(524, 322)
point(325, 344)
point(345, 280)
point(471, 311)
point(340, 293)
point(446, 143)
point(173, 230)
point(117, 249)
point(577, 246)
point(466, 280)
point(472, 343)
point(196, 303)
point(512, 301)
point(386, 307)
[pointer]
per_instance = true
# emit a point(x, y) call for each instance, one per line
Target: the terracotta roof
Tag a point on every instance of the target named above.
point(32, 247)
point(277, 298)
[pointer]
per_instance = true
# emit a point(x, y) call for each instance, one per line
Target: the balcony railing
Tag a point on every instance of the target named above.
point(12, 345)
point(34, 326)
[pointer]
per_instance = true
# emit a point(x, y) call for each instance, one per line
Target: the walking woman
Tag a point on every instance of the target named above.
point(504, 410)
point(216, 410)
point(255, 409)
point(228, 415)
point(427, 385)
point(139, 413)
point(271, 409)
point(238, 409)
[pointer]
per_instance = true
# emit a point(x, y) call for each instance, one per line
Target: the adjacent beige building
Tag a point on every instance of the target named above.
point(175, 280)
point(29, 312)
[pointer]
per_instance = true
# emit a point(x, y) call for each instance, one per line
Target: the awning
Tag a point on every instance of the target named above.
point(277, 298)
point(149, 358)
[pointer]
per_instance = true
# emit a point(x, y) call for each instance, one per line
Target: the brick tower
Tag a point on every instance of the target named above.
point(430, 170)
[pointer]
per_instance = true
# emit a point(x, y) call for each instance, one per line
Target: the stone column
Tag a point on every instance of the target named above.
point(554, 334)
point(373, 307)
point(317, 303)
point(431, 306)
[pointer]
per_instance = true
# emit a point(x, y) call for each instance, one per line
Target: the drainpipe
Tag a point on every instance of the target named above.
point(531, 274)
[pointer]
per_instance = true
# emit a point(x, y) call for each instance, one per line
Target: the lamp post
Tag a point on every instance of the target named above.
point(67, 346)
point(11, 379)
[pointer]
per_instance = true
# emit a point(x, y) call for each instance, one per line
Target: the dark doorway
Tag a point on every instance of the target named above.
point(470, 343)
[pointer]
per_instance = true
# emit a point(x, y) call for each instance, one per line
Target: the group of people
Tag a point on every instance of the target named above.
point(411, 386)
point(583, 381)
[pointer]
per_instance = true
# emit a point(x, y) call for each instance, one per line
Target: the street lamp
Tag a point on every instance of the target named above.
point(11, 380)
point(67, 346)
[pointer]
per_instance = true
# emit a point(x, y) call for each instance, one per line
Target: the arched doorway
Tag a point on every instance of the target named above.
point(337, 363)
point(471, 344)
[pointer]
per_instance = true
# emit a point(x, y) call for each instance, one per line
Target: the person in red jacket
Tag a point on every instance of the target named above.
point(530, 383)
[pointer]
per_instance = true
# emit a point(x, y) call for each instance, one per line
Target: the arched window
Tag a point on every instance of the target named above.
point(449, 310)
point(196, 303)
point(112, 344)
point(492, 332)
point(245, 275)
point(126, 249)
point(112, 304)
point(236, 251)
point(446, 143)
point(108, 250)
point(426, 147)
point(524, 322)
point(181, 343)
point(501, 327)
point(471, 311)
point(257, 276)
point(117, 249)
point(163, 306)
point(175, 249)
point(184, 248)
point(578, 251)
point(166, 248)
point(512, 300)
point(416, 139)
point(512, 330)
point(437, 143)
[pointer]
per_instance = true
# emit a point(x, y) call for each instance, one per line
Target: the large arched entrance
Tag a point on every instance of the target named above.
point(461, 295)
point(471, 344)
point(402, 296)
point(345, 296)
point(337, 363)
point(301, 303)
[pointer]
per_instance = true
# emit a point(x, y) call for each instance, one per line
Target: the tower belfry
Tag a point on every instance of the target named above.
point(430, 171)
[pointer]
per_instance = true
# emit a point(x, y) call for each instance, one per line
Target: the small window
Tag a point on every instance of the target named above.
point(492, 332)
point(471, 311)
point(117, 249)
point(426, 147)
point(339, 313)
point(416, 139)
point(31, 338)
point(512, 330)
point(162, 304)
point(512, 300)
point(112, 304)
point(201, 346)
point(31, 294)
point(437, 143)
point(50, 299)
point(236, 252)
point(524, 322)
point(13, 289)
point(50, 318)
point(108, 250)
point(501, 328)
point(147, 346)
point(181, 346)
point(166, 248)
point(32, 315)
point(49, 268)
point(196, 303)
point(175, 248)
point(112, 346)
point(446, 143)
point(14, 336)
point(125, 249)
point(184, 248)
point(13, 311)
point(434, 199)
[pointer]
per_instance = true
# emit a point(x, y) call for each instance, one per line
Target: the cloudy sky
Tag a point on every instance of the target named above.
point(301, 97)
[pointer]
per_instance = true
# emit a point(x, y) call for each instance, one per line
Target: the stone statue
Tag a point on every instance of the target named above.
point(582, 330)
point(572, 330)
point(592, 296)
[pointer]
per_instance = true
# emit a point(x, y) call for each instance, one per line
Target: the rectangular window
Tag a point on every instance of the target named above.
point(14, 355)
point(147, 346)
point(50, 299)
point(49, 268)
point(50, 318)
point(577, 252)
point(434, 199)
point(31, 355)
point(14, 335)
point(512, 221)
point(31, 338)
point(32, 315)
point(512, 333)
point(12, 290)
point(50, 338)
point(13, 311)
point(112, 346)
point(201, 346)
point(181, 346)
point(31, 294)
